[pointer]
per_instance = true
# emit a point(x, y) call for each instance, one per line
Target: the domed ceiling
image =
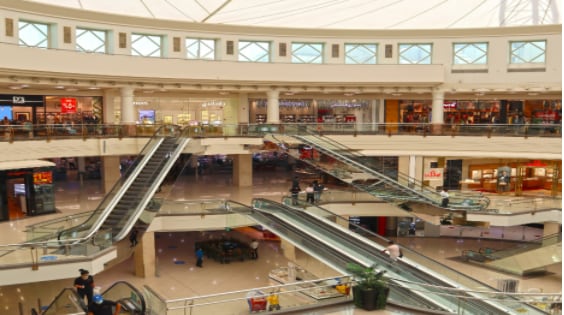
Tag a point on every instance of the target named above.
point(335, 14)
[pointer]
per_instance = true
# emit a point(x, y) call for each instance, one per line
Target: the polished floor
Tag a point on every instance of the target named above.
point(177, 276)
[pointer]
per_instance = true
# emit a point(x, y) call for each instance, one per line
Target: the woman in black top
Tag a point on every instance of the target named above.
point(84, 285)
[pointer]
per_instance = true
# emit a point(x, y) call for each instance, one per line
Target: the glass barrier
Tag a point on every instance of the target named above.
point(131, 298)
point(51, 228)
point(66, 303)
point(84, 131)
point(288, 297)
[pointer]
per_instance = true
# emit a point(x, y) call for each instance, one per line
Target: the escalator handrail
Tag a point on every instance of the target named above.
point(139, 293)
point(121, 187)
point(283, 207)
point(141, 206)
point(481, 199)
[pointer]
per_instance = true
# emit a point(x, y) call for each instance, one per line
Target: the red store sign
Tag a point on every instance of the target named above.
point(68, 105)
point(433, 174)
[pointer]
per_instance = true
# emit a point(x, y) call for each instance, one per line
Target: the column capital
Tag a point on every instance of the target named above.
point(273, 93)
point(127, 90)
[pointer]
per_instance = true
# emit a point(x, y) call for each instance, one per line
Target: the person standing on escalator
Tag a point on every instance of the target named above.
point(84, 285)
point(444, 195)
point(100, 306)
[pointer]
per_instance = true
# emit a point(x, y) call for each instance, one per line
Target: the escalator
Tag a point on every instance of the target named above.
point(67, 302)
point(130, 196)
point(425, 283)
point(522, 260)
point(335, 258)
point(406, 192)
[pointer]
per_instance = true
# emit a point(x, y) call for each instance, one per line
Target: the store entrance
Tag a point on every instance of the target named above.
point(18, 197)
point(453, 174)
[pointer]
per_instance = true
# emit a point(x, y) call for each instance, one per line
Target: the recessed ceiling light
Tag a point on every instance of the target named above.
point(93, 88)
point(72, 89)
point(59, 87)
point(24, 86)
point(15, 87)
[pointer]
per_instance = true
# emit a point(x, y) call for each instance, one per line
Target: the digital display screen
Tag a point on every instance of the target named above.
point(6, 111)
point(147, 116)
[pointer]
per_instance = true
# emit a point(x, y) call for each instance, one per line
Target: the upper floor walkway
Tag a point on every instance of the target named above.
point(19, 142)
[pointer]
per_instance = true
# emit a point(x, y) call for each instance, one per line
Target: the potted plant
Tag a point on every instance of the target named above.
point(371, 289)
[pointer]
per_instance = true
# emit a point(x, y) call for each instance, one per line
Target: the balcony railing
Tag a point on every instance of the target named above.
point(12, 133)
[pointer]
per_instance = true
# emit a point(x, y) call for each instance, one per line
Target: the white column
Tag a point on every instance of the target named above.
point(438, 109)
point(273, 108)
point(244, 108)
point(382, 111)
point(109, 106)
point(127, 108)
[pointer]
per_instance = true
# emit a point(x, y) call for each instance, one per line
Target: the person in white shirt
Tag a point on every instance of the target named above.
point(393, 250)
point(254, 249)
point(444, 194)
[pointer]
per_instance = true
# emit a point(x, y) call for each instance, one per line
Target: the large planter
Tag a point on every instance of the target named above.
point(370, 299)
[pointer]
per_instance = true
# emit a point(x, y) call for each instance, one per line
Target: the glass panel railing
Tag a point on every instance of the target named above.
point(524, 247)
point(422, 262)
point(84, 228)
point(289, 297)
point(66, 303)
point(131, 299)
point(50, 228)
point(403, 184)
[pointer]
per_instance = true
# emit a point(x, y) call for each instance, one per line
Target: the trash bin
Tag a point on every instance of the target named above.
point(508, 285)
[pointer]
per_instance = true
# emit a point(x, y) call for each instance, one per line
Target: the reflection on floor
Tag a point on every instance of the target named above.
point(177, 275)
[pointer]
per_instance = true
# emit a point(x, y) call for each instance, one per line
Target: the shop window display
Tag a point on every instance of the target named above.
point(415, 111)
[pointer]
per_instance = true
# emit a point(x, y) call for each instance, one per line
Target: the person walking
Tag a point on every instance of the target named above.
point(317, 190)
point(133, 238)
point(393, 250)
point(199, 257)
point(295, 190)
point(85, 285)
point(254, 249)
point(309, 193)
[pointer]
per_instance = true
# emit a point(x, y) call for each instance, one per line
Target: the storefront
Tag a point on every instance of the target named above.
point(180, 111)
point(314, 110)
point(26, 189)
point(38, 109)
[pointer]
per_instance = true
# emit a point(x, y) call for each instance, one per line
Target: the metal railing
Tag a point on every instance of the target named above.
point(49, 132)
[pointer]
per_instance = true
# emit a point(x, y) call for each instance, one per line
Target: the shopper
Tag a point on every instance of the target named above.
point(254, 249)
point(199, 257)
point(84, 285)
point(393, 250)
point(295, 190)
point(100, 306)
point(444, 195)
point(317, 190)
point(309, 193)
point(133, 237)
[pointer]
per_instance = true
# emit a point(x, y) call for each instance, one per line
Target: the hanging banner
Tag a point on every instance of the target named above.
point(68, 105)
point(433, 174)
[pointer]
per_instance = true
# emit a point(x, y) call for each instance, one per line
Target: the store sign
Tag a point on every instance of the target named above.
point(42, 178)
point(433, 174)
point(449, 105)
point(68, 105)
point(18, 100)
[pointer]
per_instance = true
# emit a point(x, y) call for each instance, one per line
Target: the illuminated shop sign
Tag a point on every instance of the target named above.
point(282, 102)
point(213, 103)
point(449, 105)
point(140, 103)
point(68, 105)
point(42, 178)
point(433, 174)
point(18, 100)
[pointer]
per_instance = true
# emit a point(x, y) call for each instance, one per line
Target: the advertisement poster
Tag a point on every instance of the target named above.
point(68, 105)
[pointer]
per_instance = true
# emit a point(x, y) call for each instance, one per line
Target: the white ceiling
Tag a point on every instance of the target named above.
point(335, 14)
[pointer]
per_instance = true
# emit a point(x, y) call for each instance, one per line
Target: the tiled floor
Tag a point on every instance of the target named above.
point(177, 275)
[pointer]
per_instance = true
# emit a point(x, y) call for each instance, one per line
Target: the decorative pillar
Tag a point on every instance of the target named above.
point(243, 170)
point(244, 110)
point(437, 114)
point(273, 107)
point(110, 172)
point(109, 106)
point(144, 256)
point(127, 108)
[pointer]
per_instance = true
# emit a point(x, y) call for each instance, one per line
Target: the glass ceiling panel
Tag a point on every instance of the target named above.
point(338, 14)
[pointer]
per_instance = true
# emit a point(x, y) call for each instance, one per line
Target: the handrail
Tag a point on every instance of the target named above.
point(351, 155)
point(60, 131)
point(121, 186)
